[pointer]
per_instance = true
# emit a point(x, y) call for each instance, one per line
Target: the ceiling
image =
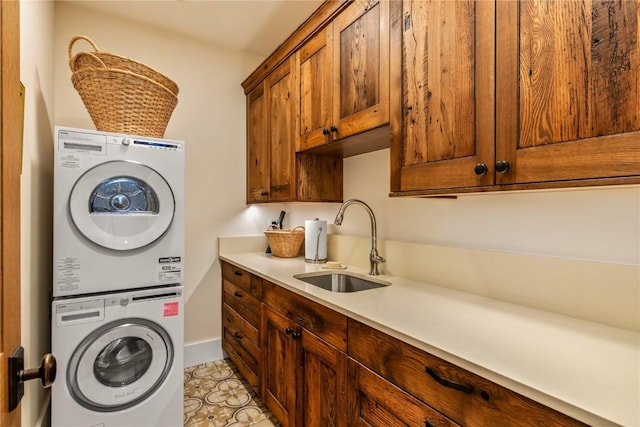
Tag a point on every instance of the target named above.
point(256, 26)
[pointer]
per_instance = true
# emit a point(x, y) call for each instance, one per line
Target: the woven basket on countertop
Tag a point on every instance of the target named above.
point(122, 95)
point(285, 243)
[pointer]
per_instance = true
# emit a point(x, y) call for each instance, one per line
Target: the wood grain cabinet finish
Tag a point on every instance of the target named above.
point(304, 376)
point(564, 89)
point(344, 75)
point(258, 148)
point(242, 293)
point(274, 172)
point(315, 367)
point(458, 394)
point(270, 138)
point(374, 401)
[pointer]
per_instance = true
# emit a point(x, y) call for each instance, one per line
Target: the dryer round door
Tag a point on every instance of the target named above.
point(119, 365)
point(122, 205)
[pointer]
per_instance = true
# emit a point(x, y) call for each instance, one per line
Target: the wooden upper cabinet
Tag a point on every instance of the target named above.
point(313, 63)
point(360, 68)
point(258, 168)
point(568, 101)
point(560, 108)
point(271, 162)
point(280, 86)
point(343, 75)
point(447, 90)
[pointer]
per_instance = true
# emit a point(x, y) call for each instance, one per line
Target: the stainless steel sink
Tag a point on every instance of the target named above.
point(341, 282)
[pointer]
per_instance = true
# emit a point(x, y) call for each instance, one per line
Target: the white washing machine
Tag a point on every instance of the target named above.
point(118, 212)
point(120, 359)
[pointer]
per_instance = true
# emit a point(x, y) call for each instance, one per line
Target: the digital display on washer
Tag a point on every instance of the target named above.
point(156, 144)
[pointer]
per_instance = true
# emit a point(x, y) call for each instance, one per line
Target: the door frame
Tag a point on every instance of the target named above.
point(10, 165)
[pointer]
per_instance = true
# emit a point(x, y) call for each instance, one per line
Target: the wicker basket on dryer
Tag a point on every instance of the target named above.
point(122, 95)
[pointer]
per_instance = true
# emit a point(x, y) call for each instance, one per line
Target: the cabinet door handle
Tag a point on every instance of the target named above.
point(502, 166)
point(481, 169)
point(334, 129)
point(237, 336)
point(325, 131)
point(288, 331)
point(296, 335)
point(462, 387)
point(237, 273)
point(237, 294)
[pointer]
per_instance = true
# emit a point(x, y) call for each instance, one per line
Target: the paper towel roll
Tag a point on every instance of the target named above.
point(315, 240)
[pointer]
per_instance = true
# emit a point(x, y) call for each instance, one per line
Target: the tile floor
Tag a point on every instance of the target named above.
point(215, 395)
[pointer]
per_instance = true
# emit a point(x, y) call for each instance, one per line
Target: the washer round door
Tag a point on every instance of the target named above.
point(119, 365)
point(122, 205)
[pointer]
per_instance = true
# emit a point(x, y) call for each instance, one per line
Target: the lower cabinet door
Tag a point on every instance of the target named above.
point(374, 401)
point(322, 394)
point(279, 366)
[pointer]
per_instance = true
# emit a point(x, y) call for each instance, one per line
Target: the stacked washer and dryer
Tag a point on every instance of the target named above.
point(118, 307)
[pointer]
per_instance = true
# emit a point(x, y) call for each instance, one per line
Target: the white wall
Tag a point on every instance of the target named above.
point(36, 73)
point(596, 224)
point(209, 117)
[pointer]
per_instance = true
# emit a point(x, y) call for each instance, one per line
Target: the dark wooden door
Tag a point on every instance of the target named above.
point(448, 94)
point(257, 146)
point(279, 366)
point(568, 90)
point(361, 68)
point(280, 86)
point(322, 390)
point(313, 64)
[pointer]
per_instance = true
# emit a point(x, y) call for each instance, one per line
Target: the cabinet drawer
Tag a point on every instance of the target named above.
point(239, 326)
point(375, 402)
point(247, 373)
point(242, 302)
point(245, 349)
point(455, 392)
point(327, 324)
point(242, 279)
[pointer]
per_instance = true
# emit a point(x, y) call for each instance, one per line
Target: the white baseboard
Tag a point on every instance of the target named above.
point(202, 352)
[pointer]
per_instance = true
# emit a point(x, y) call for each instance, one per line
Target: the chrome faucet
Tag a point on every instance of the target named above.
point(374, 258)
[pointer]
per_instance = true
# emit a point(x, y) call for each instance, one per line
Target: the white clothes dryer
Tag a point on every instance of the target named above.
point(119, 359)
point(118, 212)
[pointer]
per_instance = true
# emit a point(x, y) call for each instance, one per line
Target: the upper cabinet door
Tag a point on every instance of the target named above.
point(360, 68)
point(313, 63)
point(280, 87)
point(257, 146)
point(568, 104)
point(447, 88)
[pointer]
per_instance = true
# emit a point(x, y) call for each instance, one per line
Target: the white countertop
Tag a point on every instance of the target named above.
point(584, 369)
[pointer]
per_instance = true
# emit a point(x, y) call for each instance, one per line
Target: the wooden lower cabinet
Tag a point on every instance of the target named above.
point(374, 401)
point(304, 376)
point(314, 367)
point(462, 396)
point(241, 296)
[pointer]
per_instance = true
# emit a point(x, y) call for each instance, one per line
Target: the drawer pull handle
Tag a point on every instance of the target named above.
point(237, 294)
point(288, 331)
point(447, 383)
point(296, 335)
point(237, 336)
point(237, 273)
